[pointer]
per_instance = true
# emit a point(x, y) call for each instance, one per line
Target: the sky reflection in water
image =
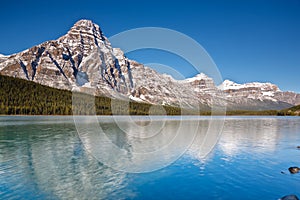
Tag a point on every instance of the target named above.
point(42, 157)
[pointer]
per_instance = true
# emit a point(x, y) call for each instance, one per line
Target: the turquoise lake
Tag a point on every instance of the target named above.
point(44, 157)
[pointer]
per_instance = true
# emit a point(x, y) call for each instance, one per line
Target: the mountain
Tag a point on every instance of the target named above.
point(294, 111)
point(257, 96)
point(84, 60)
point(21, 97)
point(2, 58)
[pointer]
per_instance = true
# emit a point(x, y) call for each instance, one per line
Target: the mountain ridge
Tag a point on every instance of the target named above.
point(83, 60)
point(51, 101)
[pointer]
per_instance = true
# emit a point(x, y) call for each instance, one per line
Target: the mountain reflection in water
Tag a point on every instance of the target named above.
point(43, 158)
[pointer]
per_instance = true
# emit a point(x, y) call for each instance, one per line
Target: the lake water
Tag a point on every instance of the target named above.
point(44, 157)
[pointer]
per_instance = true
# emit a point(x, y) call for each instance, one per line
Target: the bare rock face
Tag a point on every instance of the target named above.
point(84, 60)
point(257, 96)
point(289, 97)
point(81, 58)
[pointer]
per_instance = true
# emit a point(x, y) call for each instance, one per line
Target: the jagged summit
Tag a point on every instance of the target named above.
point(85, 28)
point(84, 60)
point(81, 58)
point(85, 36)
point(200, 76)
point(84, 23)
point(201, 82)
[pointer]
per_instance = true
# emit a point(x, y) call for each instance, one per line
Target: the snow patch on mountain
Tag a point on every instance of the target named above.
point(198, 77)
point(84, 60)
point(254, 90)
point(230, 85)
point(3, 58)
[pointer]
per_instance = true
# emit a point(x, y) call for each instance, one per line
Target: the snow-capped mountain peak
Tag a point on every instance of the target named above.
point(200, 76)
point(227, 84)
point(87, 28)
point(230, 85)
point(84, 60)
point(253, 91)
point(201, 82)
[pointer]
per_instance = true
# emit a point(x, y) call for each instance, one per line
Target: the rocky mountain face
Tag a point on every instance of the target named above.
point(84, 60)
point(262, 96)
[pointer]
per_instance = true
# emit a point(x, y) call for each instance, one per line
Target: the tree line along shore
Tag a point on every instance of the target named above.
point(21, 97)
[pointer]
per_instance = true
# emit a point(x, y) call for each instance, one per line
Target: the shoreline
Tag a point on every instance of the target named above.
point(3, 115)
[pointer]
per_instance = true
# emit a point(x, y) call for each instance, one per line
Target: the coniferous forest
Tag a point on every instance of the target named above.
point(22, 97)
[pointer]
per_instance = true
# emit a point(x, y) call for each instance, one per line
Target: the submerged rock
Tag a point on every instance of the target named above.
point(294, 170)
point(289, 197)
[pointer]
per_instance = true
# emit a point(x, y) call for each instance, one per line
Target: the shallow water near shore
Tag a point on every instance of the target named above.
point(42, 157)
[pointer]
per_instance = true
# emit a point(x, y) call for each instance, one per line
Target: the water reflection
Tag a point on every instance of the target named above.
point(43, 158)
point(143, 145)
point(258, 134)
point(42, 161)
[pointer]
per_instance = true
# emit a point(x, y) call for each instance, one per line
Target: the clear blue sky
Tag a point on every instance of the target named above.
point(249, 40)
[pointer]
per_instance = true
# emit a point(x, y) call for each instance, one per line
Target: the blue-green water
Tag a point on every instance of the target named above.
point(43, 158)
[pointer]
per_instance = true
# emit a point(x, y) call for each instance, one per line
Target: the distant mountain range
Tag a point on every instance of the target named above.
point(84, 60)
